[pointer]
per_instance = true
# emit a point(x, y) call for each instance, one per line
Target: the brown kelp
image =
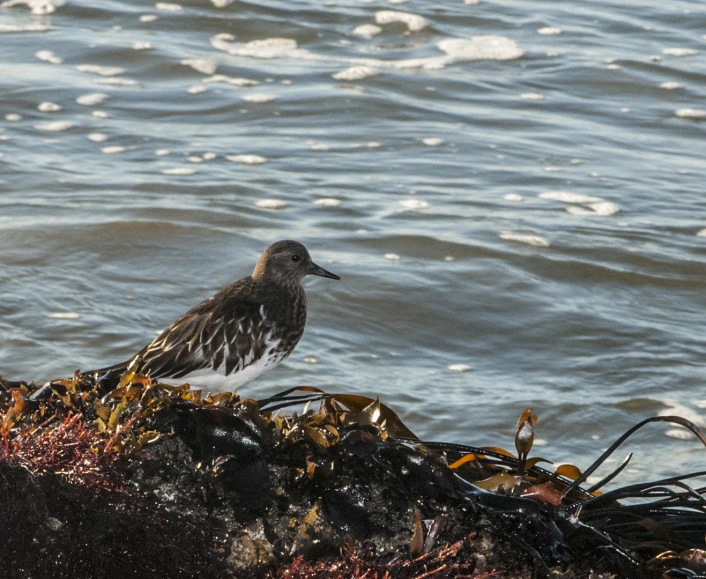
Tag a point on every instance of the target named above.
point(310, 484)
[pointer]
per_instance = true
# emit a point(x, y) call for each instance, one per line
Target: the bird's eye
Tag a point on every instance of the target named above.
point(295, 258)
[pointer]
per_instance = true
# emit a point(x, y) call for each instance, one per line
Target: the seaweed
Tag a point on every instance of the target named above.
point(311, 484)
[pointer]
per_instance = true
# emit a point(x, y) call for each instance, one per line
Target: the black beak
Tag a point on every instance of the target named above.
point(320, 271)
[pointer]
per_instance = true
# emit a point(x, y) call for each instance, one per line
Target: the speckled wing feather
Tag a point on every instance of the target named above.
point(224, 334)
point(221, 334)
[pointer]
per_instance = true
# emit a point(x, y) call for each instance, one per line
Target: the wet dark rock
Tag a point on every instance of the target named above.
point(50, 528)
point(214, 432)
point(154, 483)
point(345, 510)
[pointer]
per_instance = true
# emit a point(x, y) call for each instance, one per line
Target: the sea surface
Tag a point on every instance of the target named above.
point(514, 194)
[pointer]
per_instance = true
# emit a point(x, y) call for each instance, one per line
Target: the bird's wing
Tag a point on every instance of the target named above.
point(217, 333)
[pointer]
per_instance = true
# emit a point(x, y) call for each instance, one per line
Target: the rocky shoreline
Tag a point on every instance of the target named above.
point(158, 481)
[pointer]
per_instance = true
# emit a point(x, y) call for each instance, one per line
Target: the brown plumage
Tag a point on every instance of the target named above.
point(244, 330)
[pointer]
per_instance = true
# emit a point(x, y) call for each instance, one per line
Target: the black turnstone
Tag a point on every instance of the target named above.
point(244, 330)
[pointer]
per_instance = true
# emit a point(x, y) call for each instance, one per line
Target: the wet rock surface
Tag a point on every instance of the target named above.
point(53, 528)
point(161, 483)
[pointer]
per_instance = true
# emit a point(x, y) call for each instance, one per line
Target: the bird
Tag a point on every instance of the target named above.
point(244, 330)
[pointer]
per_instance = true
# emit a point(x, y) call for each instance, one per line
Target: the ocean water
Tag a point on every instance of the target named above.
point(514, 194)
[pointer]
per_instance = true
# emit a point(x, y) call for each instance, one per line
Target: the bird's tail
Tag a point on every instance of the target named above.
point(114, 369)
point(108, 378)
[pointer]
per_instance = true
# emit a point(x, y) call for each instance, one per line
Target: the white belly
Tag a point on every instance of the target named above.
point(216, 380)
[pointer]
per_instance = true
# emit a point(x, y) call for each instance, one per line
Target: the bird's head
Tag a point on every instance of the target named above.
point(287, 261)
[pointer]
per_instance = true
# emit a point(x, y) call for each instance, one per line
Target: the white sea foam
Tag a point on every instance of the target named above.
point(148, 17)
point(675, 408)
point(356, 73)
point(13, 117)
point(92, 99)
point(47, 56)
point(513, 197)
point(118, 81)
point(679, 51)
point(247, 159)
point(32, 27)
point(200, 65)
point(141, 46)
point(259, 97)
point(221, 3)
point(701, 233)
point(235, 81)
point(209, 156)
point(532, 96)
point(179, 171)
point(194, 159)
point(168, 7)
point(310, 360)
point(47, 107)
point(392, 256)
point(414, 22)
point(367, 30)
point(582, 204)
point(63, 315)
point(603, 208)
point(480, 48)
point(39, 7)
point(271, 203)
point(54, 126)
point(413, 204)
point(533, 240)
point(679, 434)
point(265, 48)
point(691, 113)
point(97, 137)
point(432, 141)
point(162, 152)
point(196, 89)
point(670, 85)
point(100, 70)
point(113, 150)
point(459, 367)
point(568, 197)
point(549, 31)
point(100, 114)
point(455, 49)
point(328, 202)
